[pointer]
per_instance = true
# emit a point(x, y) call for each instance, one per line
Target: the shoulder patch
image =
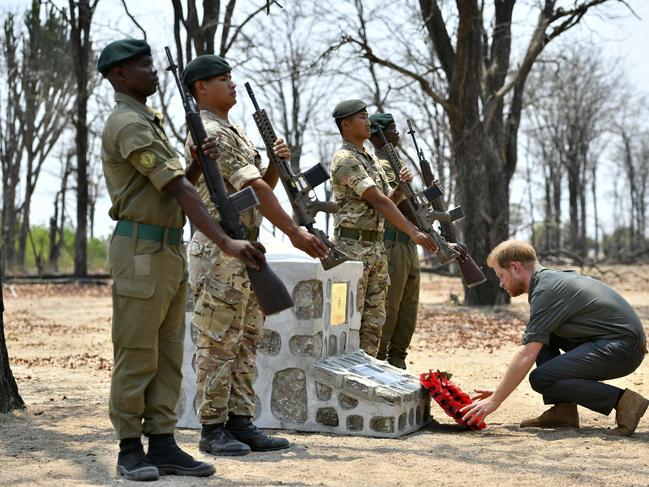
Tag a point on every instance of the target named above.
point(147, 159)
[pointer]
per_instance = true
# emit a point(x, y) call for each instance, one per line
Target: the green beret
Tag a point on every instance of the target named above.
point(205, 67)
point(119, 51)
point(383, 120)
point(347, 108)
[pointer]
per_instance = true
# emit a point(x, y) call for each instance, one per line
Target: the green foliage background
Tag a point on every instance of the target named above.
point(97, 252)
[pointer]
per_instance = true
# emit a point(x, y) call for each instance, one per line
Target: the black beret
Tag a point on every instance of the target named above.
point(205, 67)
point(347, 108)
point(383, 120)
point(119, 51)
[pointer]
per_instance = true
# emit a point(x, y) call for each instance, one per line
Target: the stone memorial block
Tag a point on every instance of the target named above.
point(311, 374)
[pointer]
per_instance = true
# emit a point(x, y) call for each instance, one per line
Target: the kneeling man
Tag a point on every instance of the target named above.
point(597, 329)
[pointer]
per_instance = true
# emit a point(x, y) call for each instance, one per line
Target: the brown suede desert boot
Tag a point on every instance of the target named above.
point(562, 415)
point(628, 412)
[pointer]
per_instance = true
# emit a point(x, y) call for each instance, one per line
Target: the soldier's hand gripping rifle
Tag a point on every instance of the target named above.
point(271, 293)
point(471, 273)
point(415, 206)
point(299, 187)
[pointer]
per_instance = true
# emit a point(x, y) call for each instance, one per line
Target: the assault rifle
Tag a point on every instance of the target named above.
point(415, 206)
point(271, 293)
point(471, 273)
point(299, 187)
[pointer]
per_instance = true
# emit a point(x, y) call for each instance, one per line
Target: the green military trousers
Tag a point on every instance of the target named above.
point(401, 302)
point(149, 299)
point(372, 288)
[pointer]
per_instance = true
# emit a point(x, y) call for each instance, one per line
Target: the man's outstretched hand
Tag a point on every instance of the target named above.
point(478, 410)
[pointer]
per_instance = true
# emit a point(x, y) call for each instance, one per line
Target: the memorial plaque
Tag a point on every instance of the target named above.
point(338, 303)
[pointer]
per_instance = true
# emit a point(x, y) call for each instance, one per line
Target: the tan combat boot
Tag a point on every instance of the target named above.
point(628, 412)
point(562, 415)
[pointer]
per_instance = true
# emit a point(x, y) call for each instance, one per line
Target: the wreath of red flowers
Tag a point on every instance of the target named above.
point(449, 396)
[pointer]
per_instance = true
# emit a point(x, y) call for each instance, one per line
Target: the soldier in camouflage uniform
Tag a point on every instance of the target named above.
point(227, 318)
point(149, 193)
point(361, 189)
point(403, 263)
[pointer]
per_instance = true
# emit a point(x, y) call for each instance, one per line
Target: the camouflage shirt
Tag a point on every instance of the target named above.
point(353, 172)
point(239, 162)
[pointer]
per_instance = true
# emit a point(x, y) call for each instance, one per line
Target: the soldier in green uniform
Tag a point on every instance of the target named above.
point(403, 262)
point(227, 318)
point(149, 194)
point(360, 186)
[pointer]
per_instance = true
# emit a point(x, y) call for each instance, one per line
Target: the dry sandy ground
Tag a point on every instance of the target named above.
point(58, 339)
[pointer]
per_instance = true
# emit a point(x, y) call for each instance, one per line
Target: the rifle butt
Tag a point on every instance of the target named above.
point(271, 293)
point(471, 273)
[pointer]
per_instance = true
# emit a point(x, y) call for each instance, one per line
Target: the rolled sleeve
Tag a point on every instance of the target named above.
point(239, 178)
point(352, 173)
point(164, 173)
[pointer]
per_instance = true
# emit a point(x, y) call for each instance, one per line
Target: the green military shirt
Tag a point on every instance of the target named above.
point(579, 308)
point(239, 162)
point(391, 178)
point(353, 172)
point(138, 162)
point(382, 157)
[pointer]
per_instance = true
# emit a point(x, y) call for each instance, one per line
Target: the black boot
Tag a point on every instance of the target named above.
point(165, 454)
point(242, 429)
point(132, 463)
point(217, 440)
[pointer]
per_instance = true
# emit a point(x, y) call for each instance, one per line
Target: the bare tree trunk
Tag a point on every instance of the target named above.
point(9, 224)
point(593, 189)
point(22, 234)
point(11, 143)
point(81, 13)
point(479, 76)
point(57, 221)
point(9, 396)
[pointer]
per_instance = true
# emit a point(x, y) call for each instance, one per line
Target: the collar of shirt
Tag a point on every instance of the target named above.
point(535, 277)
point(349, 146)
point(213, 116)
point(141, 108)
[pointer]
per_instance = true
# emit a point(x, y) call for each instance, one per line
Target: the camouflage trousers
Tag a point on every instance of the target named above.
point(372, 289)
point(228, 323)
point(401, 302)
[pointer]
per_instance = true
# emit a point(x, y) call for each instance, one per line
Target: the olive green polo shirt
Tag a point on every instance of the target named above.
point(138, 162)
point(354, 171)
point(579, 308)
point(239, 163)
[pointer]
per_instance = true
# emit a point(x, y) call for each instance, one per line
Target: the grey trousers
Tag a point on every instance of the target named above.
point(574, 375)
